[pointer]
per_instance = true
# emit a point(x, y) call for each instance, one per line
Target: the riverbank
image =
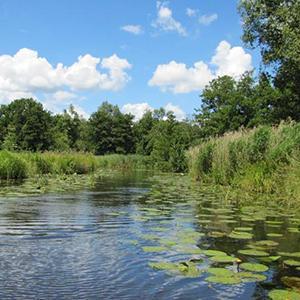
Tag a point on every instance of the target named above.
point(264, 160)
point(16, 166)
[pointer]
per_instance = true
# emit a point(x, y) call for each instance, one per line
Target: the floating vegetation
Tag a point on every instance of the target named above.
point(270, 258)
point(284, 295)
point(292, 263)
point(253, 252)
point(293, 230)
point(224, 259)
point(220, 272)
point(291, 281)
point(240, 235)
point(290, 254)
point(189, 250)
point(243, 229)
point(266, 243)
point(214, 253)
point(187, 269)
point(274, 235)
point(254, 267)
point(251, 277)
point(224, 279)
point(154, 249)
point(216, 234)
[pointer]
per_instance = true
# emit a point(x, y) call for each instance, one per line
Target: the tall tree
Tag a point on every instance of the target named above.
point(110, 131)
point(273, 26)
point(29, 124)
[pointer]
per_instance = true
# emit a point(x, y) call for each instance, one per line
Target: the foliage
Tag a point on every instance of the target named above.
point(273, 26)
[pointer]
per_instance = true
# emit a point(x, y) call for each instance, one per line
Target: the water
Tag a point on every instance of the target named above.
point(89, 244)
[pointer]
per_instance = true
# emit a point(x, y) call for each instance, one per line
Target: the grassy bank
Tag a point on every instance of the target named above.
point(25, 164)
point(265, 160)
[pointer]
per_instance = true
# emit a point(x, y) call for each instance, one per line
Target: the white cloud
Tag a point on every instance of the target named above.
point(207, 19)
point(26, 73)
point(178, 112)
point(178, 78)
point(138, 110)
point(232, 61)
point(64, 95)
point(191, 12)
point(134, 29)
point(165, 21)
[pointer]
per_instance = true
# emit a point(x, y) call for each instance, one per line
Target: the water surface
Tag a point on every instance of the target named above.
point(97, 242)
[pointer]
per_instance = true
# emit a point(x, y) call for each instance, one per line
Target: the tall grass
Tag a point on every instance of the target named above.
point(25, 164)
point(265, 159)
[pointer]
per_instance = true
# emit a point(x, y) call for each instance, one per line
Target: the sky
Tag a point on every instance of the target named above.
point(136, 54)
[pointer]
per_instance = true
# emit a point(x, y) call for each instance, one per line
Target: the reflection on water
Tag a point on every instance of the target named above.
point(98, 242)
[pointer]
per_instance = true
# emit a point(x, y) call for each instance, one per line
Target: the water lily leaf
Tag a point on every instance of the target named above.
point(254, 267)
point(291, 281)
point(290, 254)
point(220, 272)
point(274, 222)
point(284, 295)
point(189, 250)
point(243, 229)
point(269, 259)
point(154, 249)
point(214, 253)
point(167, 242)
point(293, 230)
point(253, 252)
point(163, 266)
point(251, 277)
point(267, 243)
point(240, 235)
point(274, 235)
point(224, 259)
point(216, 234)
point(224, 279)
point(292, 263)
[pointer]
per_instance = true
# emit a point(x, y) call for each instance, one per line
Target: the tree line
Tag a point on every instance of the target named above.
point(227, 104)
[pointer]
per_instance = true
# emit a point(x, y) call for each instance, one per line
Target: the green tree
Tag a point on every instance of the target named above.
point(110, 131)
point(31, 124)
point(273, 26)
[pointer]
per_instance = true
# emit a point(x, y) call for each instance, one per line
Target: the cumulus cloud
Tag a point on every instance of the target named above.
point(178, 78)
point(26, 73)
point(178, 112)
point(207, 19)
point(134, 29)
point(165, 20)
point(138, 110)
point(191, 12)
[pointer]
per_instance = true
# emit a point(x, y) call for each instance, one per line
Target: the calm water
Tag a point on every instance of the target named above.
point(89, 245)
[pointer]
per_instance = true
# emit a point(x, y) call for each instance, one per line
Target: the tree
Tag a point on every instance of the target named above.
point(31, 124)
point(110, 131)
point(273, 26)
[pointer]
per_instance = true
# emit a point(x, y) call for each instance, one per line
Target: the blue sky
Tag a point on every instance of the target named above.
point(137, 54)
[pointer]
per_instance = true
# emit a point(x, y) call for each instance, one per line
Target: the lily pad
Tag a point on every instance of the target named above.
point(224, 279)
point(243, 229)
point(254, 267)
point(240, 235)
point(290, 254)
point(291, 281)
point(293, 230)
point(252, 252)
point(251, 277)
point(267, 243)
point(214, 253)
point(224, 259)
point(216, 234)
point(284, 295)
point(220, 272)
point(272, 234)
point(292, 263)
